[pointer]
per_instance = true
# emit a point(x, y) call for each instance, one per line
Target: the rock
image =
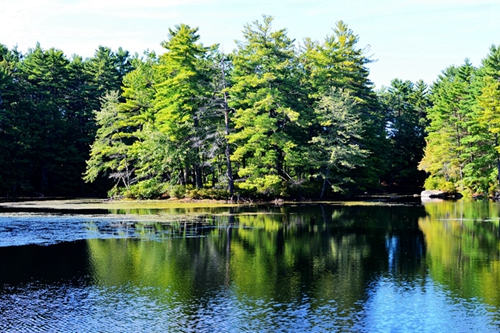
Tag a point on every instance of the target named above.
point(438, 194)
point(496, 197)
point(434, 194)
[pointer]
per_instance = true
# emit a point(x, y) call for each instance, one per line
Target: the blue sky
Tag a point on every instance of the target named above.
point(408, 39)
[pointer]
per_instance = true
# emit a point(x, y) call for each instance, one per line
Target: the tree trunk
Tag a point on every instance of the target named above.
point(230, 180)
point(325, 180)
point(214, 178)
point(498, 159)
point(198, 170)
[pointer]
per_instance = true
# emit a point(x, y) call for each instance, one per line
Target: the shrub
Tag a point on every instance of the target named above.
point(438, 183)
point(145, 189)
point(208, 193)
point(178, 191)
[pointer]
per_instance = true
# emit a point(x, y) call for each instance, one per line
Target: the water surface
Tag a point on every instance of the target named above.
point(291, 268)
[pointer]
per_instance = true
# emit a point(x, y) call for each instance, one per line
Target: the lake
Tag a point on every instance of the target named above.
point(330, 267)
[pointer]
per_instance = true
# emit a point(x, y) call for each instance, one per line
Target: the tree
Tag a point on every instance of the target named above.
point(336, 148)
point(406, 104)
point(109, 153)
point(44, 76)
point(151, 148)
point(215, 122)
point(124, 124)
point(13, 164)
point(182, 88)
point(264, 95)
point(455, 137)
point(339, 63)
point(488, 111)
point(107, 69)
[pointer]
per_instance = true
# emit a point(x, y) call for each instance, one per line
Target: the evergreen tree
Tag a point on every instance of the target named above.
point(13, 165)
point(148, 146)
point(110, 151)
point(264, 94)
point(339, 63)
point(107, 69)
point(488, 113)
point(45, 79)
point(336, 147)
point(182, 89)
point(406, 104)
point(118, 147)
point(46, 119)
point(453, 134)
point(215, 123)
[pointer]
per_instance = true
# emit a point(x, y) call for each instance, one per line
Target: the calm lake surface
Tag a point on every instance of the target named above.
point(431, 267)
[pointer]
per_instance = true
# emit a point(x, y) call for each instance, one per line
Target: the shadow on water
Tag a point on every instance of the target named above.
point(65, 262)
point(54, 211)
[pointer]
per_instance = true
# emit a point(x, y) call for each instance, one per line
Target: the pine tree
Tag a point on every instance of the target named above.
point(182, 88)
point(336, 147)
point(453, 137)
point(109, 153)
point(339, 63)
point(488, 113)
point(406, 104)
point(14, 168)
point(45, 77)
point(125, 122)
point(264, 95)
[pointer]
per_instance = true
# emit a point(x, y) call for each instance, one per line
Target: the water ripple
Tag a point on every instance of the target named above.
point(49, 230)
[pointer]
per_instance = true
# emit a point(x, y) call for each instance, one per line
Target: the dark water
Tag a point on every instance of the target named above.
point(302, 268)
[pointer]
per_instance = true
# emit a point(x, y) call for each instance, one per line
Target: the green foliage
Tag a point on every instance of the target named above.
point(109, 152)
point(182, 92)
point(208, 193)
point(193, 115)
point(438, 183)
point(167, 119)
point(146, 189)
point(47, 124)
point(406, 104)
point(266, 111)
point(339, 63)
point(336, 148)
point(277, 119)
point(267, 186)
point(462, 145)
point(177, 191)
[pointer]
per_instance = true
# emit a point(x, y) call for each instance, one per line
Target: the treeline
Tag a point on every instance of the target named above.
point(46, 117)
point(463, 149)
point(274, 118)
point(271, 119)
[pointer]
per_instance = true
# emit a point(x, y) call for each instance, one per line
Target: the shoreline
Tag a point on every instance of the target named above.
point(100, 203)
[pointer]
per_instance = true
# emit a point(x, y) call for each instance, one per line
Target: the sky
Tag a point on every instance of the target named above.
point(405, 39)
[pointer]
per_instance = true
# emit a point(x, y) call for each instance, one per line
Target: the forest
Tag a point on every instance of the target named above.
point(274, 118)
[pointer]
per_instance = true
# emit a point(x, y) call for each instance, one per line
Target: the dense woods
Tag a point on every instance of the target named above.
point(462, 151)
point(275, 118)
point(46, 116)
